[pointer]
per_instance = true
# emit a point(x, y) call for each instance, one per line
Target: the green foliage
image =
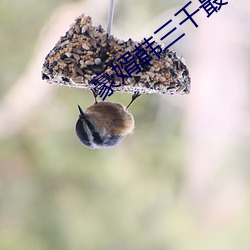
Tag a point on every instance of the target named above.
point(20, 24)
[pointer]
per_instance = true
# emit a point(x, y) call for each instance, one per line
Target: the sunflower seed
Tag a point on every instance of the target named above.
point(85, 46)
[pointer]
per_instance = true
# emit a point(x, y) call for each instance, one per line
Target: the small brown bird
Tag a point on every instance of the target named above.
point(104, 124)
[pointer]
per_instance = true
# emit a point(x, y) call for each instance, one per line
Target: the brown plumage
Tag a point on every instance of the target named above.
point(104, 124)
point(110, 117)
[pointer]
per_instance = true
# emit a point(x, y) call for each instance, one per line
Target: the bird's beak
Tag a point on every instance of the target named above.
point(82, 115)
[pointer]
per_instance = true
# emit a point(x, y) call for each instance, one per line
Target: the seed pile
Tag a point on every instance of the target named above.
point(86, 51)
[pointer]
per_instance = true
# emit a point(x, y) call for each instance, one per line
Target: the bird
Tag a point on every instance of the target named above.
point(104, 124)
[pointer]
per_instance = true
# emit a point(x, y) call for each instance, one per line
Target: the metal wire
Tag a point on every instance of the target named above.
point(110, 16)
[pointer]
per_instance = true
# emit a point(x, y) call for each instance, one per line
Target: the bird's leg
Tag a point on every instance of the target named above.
point(134, 97)
point(95, 94)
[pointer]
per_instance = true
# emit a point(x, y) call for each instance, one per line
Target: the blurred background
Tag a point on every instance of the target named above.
point(180, 182)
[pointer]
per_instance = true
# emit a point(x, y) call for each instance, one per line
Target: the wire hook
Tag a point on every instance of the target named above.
point(110, 16)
